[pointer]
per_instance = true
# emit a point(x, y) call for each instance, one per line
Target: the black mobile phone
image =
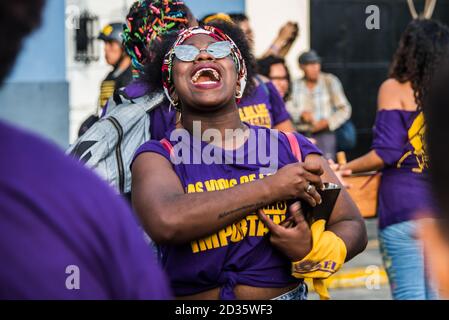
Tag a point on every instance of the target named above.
point(329, 195)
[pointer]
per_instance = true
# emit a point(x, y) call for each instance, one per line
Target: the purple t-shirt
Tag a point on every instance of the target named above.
point(61, 226)
point(264, 107)
point(404, 189)
point(240, 253)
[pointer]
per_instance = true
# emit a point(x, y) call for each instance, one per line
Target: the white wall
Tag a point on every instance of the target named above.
point(267, 17)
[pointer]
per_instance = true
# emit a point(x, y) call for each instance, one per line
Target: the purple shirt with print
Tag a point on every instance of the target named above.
point(264, 107)
point(404, 190)
point(240, 253)
point(61, 226)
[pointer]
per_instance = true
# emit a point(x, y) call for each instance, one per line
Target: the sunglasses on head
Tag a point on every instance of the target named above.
point(218, 50)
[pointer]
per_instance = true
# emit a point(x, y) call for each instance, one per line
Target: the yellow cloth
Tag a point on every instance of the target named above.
point(326, 257)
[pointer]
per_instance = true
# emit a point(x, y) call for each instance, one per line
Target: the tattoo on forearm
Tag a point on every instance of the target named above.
point(251, 206)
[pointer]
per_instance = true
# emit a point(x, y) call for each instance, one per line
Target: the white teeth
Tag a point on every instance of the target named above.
point(213, 71)
point(208, 82)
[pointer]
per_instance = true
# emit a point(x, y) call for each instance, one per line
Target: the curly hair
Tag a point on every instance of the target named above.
point(264, 68)
point(420, 51)
point(153, 75)
point(149, 19)
point(17, 19)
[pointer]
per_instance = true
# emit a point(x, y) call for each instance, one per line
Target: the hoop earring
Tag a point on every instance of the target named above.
point(175, 105)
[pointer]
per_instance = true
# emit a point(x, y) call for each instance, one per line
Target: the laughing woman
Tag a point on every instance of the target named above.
point(199, 197)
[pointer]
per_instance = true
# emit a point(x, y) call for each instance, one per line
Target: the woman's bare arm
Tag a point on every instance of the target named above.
point(368, 162)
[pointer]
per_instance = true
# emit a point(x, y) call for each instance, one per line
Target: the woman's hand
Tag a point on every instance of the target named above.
point(297, 180)
point(293, 236)
point(307, 117)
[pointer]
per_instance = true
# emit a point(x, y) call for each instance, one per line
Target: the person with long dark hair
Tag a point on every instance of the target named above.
point(399, 151)
point(198, 190)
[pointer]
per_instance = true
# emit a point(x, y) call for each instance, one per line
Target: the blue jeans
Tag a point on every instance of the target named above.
point(404, 262)
point(299, 293)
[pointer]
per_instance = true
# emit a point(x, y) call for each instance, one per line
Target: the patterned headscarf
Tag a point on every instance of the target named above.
point(212, 32)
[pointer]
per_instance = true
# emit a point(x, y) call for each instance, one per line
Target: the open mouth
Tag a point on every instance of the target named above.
point(206, 76)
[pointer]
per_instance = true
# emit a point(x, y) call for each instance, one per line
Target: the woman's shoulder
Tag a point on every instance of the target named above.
point(396, 95)
point(161, 147)
point(392, 84)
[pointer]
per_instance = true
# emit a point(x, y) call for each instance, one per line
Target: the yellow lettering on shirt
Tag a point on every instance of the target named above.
point(250, 226)
point(257, 115)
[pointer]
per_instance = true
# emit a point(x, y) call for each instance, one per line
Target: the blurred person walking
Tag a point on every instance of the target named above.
point(64, 234)
point(319, 105)
point(400, 152)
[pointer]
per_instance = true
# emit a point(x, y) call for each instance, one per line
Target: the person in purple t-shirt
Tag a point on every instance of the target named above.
point(64, 234)
point(198, 200)
point(400, 152)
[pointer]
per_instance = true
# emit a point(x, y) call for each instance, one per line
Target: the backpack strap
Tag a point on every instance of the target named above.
point(167, 146)
point(294, 145)
point(263, 85)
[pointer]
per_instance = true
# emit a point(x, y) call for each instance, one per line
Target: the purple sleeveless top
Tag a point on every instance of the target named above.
point(264, 107)
point(240, 253)
point(399, 141)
